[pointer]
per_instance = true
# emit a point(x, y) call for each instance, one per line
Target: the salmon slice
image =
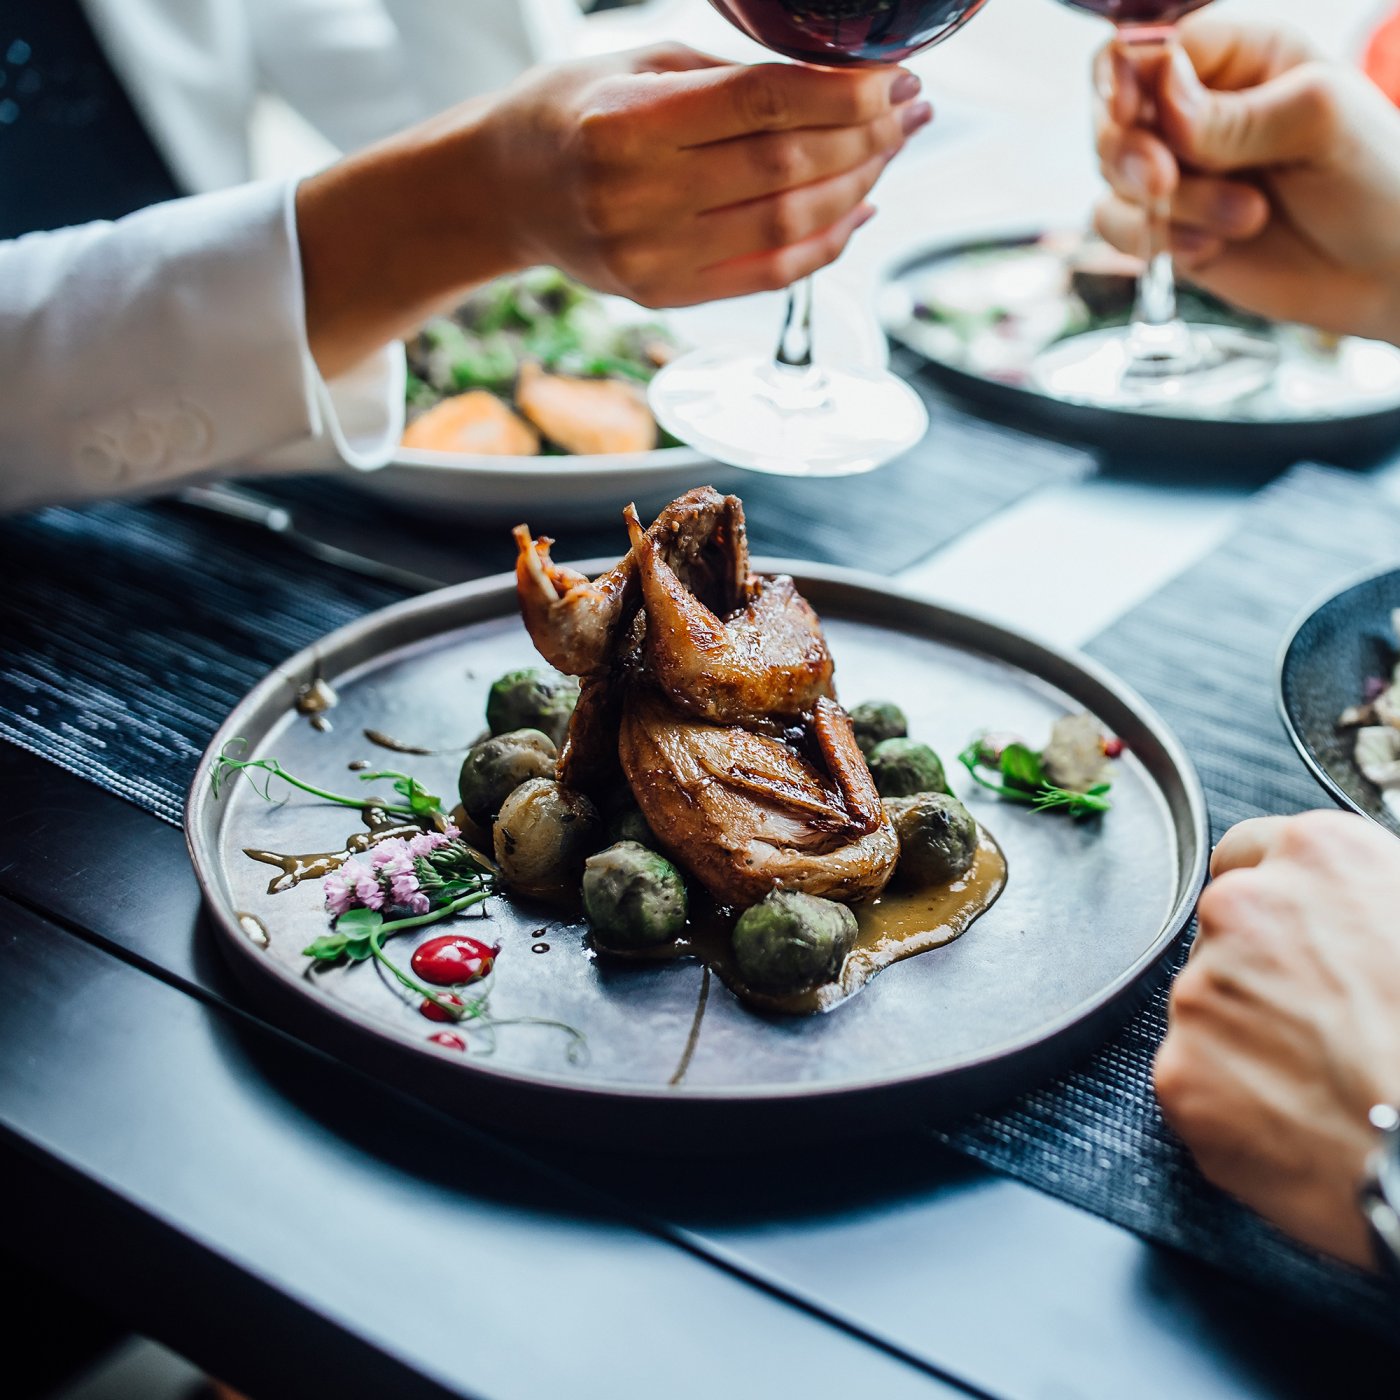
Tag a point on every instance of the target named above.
point(476, 422)
point(586, 416)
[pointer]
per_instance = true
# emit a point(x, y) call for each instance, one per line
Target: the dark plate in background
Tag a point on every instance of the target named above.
point(1303, 419)
point(1322, 672)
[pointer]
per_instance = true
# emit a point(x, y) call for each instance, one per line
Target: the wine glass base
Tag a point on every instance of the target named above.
point(743, 409)
point(1212, 367)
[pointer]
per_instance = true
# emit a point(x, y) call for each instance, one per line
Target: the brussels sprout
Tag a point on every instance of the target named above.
point(628, 824)
point(792, 941)
point(542, 837)
point(875, 721)
point(494, 768)
point(532, 699)
point(937, 838)
point(901, 768)
point(632, 896)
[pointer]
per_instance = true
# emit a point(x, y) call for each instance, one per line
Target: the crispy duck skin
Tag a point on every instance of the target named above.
point(746, 814)
point(769, 660)
point(588, 761)
point(578, 624)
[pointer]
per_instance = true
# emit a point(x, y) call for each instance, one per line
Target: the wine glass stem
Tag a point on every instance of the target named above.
point(792, 383)
point(1159, 340)
point(795, 343)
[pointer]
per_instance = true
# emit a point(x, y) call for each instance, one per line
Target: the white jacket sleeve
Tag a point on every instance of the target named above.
point(359, 70)
point(171, 344)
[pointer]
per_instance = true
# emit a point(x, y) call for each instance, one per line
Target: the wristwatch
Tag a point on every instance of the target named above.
point(1380, 1193)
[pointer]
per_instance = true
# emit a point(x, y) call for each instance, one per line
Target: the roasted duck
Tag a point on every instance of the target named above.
point(708, 690)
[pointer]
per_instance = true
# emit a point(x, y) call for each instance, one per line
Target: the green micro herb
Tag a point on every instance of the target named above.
point(417, 800)
point(1021, 778)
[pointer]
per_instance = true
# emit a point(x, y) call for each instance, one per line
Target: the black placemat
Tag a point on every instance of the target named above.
point(965, 471)
point(1204, 651)
point(128, 631)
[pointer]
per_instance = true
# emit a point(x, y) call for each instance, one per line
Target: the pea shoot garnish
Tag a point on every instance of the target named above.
point(415, 799)
point(1069, 775)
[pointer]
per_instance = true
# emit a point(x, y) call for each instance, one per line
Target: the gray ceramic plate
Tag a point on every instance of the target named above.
point(1322, 670)
point(979, 311)
point(1088, 918)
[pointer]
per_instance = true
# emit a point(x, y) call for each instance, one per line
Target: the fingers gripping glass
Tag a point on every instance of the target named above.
point(785, 414)
point(1158, 360)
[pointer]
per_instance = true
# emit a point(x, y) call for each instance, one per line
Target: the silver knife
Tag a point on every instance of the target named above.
point(234, 503)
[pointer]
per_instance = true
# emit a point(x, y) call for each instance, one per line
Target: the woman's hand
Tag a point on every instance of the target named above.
point(1284, 1026)
point(1281, 173)
point(672, 178)
point(663, 175)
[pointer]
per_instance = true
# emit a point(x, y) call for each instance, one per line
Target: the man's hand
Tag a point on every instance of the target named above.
point(1281, 173)
point(671, 178)
point(1285, 1024)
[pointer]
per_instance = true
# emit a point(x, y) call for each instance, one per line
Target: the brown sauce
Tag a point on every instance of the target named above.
point(313, 700)
point(900, 924)
point(315, 865)
point(255, 929)
point(387, 741)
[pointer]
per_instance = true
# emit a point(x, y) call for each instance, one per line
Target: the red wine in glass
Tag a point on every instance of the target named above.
point(837, 33)
point(1139, 13)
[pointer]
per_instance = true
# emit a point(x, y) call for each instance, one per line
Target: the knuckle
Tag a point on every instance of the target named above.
point(776, 273)
point(1173, 1077)
point(880, 136)
point(1234, 903)
point(784, 221)
point(780, 161)
point(865, 99)
point(761, 95)
point(1318, 837)
point(1192, 991)
point(626, 264)
point(1319, 100)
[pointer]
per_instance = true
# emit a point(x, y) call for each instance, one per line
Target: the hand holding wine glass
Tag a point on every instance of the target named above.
point(1281, 169)
point(782, 413)
point(1157, 362)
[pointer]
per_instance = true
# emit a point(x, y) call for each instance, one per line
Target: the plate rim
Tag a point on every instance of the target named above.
point(680, 1098)
point(897, 267)
point(1282, 689)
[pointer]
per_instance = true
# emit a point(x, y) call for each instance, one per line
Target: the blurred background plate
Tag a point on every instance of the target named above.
point(1322, 672)
point(978, 311)
point(1089, 917)
point(483, 489)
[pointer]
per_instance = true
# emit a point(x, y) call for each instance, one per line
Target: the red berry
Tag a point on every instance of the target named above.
point(1112, 748)
point(448, 1041)
point(453, 960)
point(434, 1011)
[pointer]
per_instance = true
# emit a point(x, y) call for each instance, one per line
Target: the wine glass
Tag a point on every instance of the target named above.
point(1158, 361)
point(782, 413)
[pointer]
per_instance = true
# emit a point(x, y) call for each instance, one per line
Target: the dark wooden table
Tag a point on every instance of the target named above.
point(293, 1225)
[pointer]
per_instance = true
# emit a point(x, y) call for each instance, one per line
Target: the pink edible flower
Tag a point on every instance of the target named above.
point(362, 879)
point(391, 858)
point(339, 892)
point(426, 842)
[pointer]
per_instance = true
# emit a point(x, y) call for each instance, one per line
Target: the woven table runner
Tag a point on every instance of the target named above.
point(1203, 651)
point(128, 631)
point(961, 474)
